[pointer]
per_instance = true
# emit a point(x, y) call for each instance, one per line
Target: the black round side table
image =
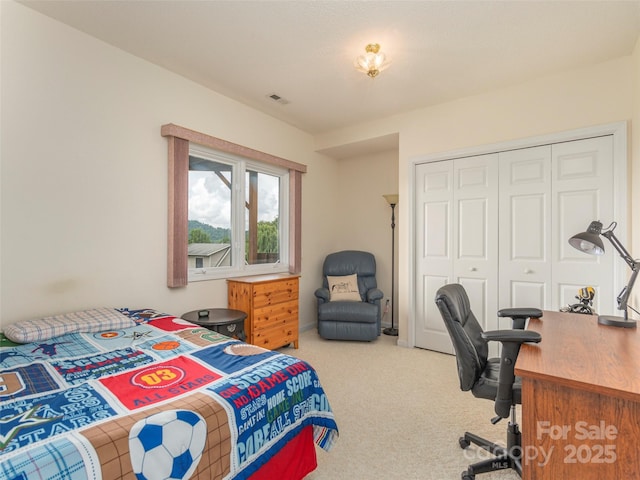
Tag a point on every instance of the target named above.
point(222, 320)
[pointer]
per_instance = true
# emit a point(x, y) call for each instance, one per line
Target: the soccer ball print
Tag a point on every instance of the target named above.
point(167, 445)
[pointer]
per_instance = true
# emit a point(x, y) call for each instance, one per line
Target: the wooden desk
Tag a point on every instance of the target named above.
point(580, 400)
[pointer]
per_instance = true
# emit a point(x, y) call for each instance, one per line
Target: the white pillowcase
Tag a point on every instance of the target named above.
point(344, 288)
point(95, 320)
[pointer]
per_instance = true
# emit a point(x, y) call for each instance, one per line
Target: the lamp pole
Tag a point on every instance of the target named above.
point(393, 331)
point(623, 297)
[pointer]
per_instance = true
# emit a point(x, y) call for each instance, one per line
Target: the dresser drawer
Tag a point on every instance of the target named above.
point(274, 314)
point(274, 293)
point(277, 335)
point(287, 322)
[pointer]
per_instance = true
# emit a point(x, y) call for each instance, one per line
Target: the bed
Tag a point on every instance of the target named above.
point(124, 394)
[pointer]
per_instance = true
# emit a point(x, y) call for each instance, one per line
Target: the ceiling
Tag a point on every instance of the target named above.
point(303, 51)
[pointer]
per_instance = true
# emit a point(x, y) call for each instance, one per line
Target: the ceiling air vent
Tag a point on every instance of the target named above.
point(277, 98)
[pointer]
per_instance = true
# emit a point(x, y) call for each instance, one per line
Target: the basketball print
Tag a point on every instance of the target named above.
point(168, 345)
point(109, 334)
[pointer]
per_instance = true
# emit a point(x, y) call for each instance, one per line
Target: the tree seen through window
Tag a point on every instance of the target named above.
point(214, 214)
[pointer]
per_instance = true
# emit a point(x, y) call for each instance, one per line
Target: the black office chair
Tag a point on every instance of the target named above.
point(490, 378)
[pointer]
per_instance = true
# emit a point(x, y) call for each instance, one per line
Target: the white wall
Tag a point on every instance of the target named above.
point(634, 177)
point(363, 216)
point(84, 174)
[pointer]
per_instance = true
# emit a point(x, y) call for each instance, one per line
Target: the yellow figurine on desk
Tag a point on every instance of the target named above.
point(585, 297)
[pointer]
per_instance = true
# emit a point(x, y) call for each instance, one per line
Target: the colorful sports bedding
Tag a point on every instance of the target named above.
point(162, 399)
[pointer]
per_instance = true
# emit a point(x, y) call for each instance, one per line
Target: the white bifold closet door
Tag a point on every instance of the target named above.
point(457, 215)
point(548, 194)
point(525, 228)
point(499, 224)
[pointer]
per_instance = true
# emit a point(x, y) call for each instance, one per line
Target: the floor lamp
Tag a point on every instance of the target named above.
point(392, 199)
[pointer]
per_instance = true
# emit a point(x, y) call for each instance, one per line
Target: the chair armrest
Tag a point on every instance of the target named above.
point(322, 294)
point(512, 336)
point(511, 341)
point(374, 294)
point(520, 312)
point(520, 315)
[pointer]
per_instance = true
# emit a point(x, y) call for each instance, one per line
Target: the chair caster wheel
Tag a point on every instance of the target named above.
point(464, 443)
point(468, 476)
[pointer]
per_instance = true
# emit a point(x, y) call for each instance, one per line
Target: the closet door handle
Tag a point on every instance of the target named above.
point(527, 271)
point(473, 269)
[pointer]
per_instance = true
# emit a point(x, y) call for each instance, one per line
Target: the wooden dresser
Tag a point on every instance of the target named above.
point(271, 305)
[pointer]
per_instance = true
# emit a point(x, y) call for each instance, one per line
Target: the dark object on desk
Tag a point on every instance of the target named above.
point(590, 242)
point(222, 320)
point(489, 378)
point(585, 304)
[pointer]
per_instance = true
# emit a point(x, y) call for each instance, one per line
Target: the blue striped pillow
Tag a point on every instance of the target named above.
point(95, 320)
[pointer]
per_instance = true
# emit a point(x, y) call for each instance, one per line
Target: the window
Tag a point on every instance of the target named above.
point(234, 215)
point(232, 210)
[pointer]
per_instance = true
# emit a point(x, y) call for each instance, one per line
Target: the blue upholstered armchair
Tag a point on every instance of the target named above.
point(349, 300)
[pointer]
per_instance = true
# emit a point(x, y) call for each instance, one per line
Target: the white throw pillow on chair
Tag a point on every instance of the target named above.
point(344, 288)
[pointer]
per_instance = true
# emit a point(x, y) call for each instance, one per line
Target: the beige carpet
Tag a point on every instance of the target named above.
point(400, 412)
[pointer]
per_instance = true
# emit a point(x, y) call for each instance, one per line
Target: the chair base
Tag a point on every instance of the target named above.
point(508, 457)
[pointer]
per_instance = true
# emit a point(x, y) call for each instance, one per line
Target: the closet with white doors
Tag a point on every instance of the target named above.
point(499, 224)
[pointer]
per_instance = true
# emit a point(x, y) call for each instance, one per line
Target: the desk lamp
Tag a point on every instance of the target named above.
point(590, 242)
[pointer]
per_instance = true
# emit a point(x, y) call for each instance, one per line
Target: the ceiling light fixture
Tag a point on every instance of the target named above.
point(372, 62)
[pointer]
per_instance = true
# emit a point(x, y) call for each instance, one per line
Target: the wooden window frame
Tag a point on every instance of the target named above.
point(178, 143)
